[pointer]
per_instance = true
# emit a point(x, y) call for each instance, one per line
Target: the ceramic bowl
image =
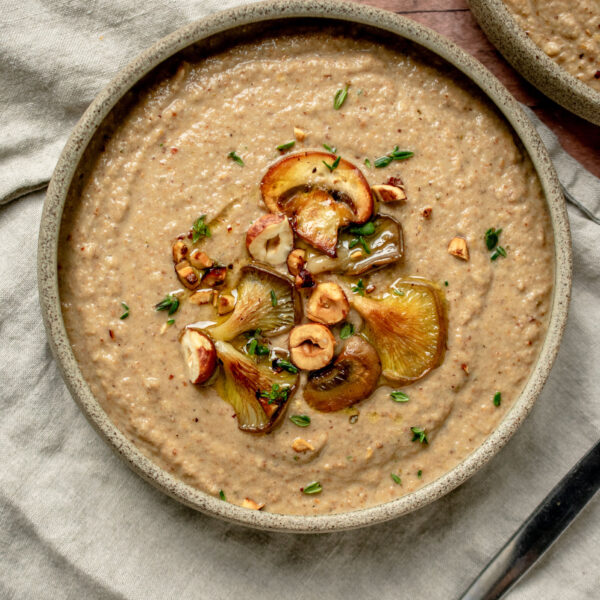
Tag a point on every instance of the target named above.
point(223, 24)
point(532, 62)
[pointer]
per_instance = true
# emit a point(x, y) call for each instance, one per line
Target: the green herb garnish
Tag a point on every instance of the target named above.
point(235, 158)
point(419, 473)
point(491, 238)
point(126, 313)
point(253, 347)
point(500, 251)
point(300, 420)
point(367, 228)
point(340, 97)
point(346, 331)
point(334, 165)
point(395, 154)
point(170, 303)
point(446, 283)
point(329, 148)
point(359, 288)
point(398, 396)
point(313, 488)
point(396, 478)
point(273, 298)
point(275, 394)
point(200, 229)
point(497, 399)
point(222, 495)
point(287, 145)
point(398, 292)
point(170, 321)
point(419, 435)
point(367, 163)
point(360, 240)
point(286, 365)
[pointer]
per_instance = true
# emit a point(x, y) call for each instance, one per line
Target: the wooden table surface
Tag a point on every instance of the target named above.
point(453, 19)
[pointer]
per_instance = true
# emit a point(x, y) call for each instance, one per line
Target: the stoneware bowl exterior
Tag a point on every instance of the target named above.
point(68, 163)
point(533, 63)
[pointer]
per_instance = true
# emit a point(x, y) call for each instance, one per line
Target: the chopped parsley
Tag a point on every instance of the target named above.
point(340, 97)
point(329, 148)
point(285, 365)
point(446, 283)
point(395, 154)
point(170, 321)
point(276, 394)
point(419, 434)
point(313, 488)
point(497, 399)
point(360, 231)
point(346, 331)
point(235, 158)
point(396, 479)
point(419, 473)
point(170, 303)
point(200, 229)
point(500, 251)
point(333, 165)
point(126, 313)
point(398, 396)
point(367, 163)
point(491, 239)
point(300, 420)
point(222, 495)
point(360, 240)
point(359, 288)
point(286, 145)
point(273, 298)
point(255, 348)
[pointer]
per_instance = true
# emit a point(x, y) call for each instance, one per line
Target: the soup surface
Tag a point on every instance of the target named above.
point(568, 31)
point(166, 160)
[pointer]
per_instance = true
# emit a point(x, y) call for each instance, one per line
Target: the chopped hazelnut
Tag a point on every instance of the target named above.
point(301, 445)
point(201, 297)
point(356, 254)
point(180, 251)
point(458, 247)
point(214, 276)
point(296, 260)
point(386, 193)
point(187, 274)
point(299, 134)
point(249, 503)
point(225, 304)
point(311, 346)
point(327, 304)
point(427, 212)
point(200, 259)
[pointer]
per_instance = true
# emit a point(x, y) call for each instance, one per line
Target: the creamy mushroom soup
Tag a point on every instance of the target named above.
point(568, 31)
point(308, 273)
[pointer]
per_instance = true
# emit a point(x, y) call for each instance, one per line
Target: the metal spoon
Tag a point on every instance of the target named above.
point(541, 529)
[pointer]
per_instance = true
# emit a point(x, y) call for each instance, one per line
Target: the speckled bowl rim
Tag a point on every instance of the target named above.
point(67, 165)
point(532, 62)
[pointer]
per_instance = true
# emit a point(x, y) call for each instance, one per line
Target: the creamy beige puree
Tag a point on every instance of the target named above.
point(568, 31)
point(166, 163)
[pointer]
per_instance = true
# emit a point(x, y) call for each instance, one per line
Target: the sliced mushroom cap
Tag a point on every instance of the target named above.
point(199, 354)
point(385, 245)
point(258, 394)
point(318, 199)
point(408, 327)
point(266, 300)
point(350, 378)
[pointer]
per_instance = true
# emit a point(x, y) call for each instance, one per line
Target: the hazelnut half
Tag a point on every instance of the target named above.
point(458, 247)
point(270, 239)
point(327, 304)
point(311, 346)
point(385, 193)
point(200, 355)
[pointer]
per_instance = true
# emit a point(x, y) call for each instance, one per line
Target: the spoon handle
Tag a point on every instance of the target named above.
point(541, 529)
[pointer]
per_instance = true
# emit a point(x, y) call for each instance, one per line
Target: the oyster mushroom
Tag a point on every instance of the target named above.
point(318, 199)
point(311, 346)
point(350, 378)
point(199, 354)
point(327, 304)
point(266, 300)
point(270, 239)
point(259, 395)
point(384, 246)
point(407, 325)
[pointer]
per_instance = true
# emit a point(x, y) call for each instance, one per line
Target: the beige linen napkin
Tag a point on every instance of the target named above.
point(75, 522)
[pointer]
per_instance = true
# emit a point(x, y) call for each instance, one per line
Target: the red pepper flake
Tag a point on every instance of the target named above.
point(465, 368)
point(112, 334)
point(82, 248)
point(196, 420)
point(171, 376)
point(229, 228)
point(174, 150)
point(597, 75)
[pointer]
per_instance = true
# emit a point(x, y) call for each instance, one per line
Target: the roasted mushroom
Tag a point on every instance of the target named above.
point(258, 394)
point(355, 256)
point(407, 325)
point(266, 300)
point(199, 354)
point(270, 239)
point(350, 378)
point(320, 193)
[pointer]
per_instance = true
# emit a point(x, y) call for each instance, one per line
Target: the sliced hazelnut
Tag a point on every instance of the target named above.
point(180, 251)
point(270, 239)
point(458, 247)
point(356, 254)
point(199, 354)
point(202, 297)
point(296, 260)
point(214, 276)
point(225, 304)
point(311, 346)
point(299, 134)
point(386, 193)
point(301, 445)
point(187, 274)
point(327, 304)
point(200, 259)
point(249, 503)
